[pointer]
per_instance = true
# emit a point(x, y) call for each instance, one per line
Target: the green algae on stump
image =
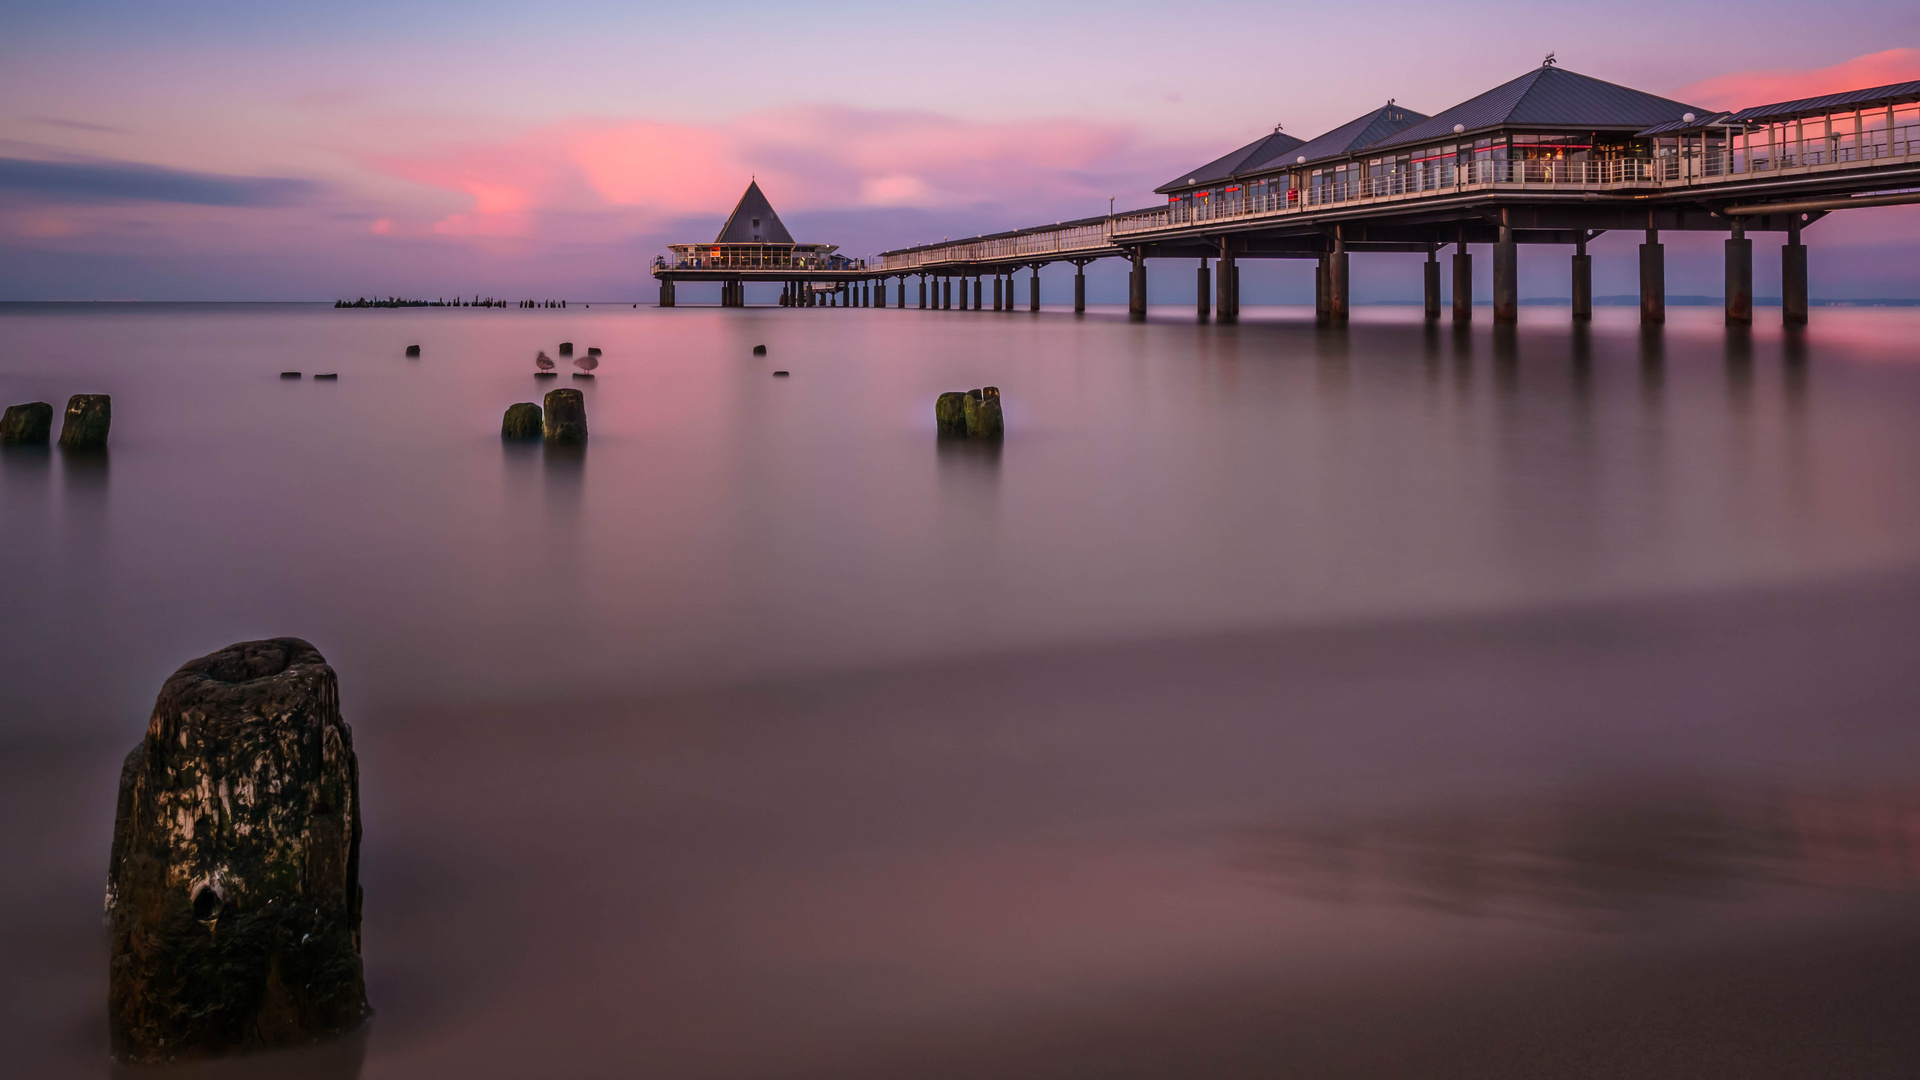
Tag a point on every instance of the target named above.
point(233, 893)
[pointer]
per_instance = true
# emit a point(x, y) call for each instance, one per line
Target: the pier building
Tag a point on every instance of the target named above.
point(754, 245)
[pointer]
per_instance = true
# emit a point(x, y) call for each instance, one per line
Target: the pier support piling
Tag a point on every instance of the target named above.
point(1337, 297)
point(1137, 288)
point(1739, 276)
point(996, 293)
point(1506, 279)
point(946, 294)
point(1431, 270)
point(1582, 280)
point(666, 292)
point(1462, 282)
point(1227, 285)
point(1322, 289)
point(1793, 277)
point(1202, 304)
point(976, 294)
point(1653, 279)
point(1033, 289)
point(1079, 288)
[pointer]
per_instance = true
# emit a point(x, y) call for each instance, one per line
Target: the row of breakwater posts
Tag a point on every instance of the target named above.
point(84, 427)
point(1552, 158)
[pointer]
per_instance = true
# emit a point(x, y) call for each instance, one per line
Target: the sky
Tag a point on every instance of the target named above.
point(241, 151)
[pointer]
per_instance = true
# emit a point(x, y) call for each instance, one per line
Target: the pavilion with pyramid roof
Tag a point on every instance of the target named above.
point(754, 245)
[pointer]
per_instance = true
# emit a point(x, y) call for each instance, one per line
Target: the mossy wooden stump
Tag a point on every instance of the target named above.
point(974, 414)
point(27, 425)
point(86, 423)
point(566, 417)
point(523, 421)
point(233, 895)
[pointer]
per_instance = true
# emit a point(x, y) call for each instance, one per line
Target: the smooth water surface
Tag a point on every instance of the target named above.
point(1400, 700)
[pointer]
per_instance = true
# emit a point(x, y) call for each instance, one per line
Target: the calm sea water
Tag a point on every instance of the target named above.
point(1277, 701)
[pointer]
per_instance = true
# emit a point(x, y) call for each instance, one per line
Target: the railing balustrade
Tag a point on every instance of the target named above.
point(749, 262)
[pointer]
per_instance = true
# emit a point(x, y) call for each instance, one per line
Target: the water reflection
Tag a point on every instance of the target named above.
point(563, 474)
point(1616, 849)
point(1581, 352)
point(335, 1059)
point(26, 469)
point(1506, 359)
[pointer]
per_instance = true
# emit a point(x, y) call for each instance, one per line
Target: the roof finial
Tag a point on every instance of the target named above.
point(1549, 61)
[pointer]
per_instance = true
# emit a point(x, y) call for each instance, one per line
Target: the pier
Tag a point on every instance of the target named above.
point(1550, 158)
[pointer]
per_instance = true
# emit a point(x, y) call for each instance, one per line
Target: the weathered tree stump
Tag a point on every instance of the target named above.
point(983, 414)
point(86, 423)
point(566, 417)
point(29, 424)
point(234, 892)
point(950, 413)
point(523, 421)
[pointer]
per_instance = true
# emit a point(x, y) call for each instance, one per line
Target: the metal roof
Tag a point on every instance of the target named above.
point(1548, 97)
point(1361, 131)
point(753, 221)
point(1251, 156)
point(1893, 94)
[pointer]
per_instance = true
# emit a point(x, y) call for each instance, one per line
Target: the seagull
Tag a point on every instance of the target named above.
point(542, 362)
point(587, 363)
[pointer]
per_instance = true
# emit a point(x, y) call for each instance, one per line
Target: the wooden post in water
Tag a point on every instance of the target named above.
point(1033, 289)
point(1202, 304)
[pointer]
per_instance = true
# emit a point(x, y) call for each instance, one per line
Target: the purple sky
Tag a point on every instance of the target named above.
point(230, 151)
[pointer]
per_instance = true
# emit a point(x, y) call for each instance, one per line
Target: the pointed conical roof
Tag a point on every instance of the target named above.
point(1549, 97)
point(1251, 156)
point(1361, 131)
point(753, 221)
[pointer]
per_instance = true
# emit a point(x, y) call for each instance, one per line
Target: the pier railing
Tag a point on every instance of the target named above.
point(1724, 156)
point(756, 262)
point(1063, 241)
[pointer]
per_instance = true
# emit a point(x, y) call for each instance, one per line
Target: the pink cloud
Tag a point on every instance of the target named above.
point(805, 157)
point(1743, 89)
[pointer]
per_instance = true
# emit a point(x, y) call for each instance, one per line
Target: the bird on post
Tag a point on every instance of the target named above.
point(543, 362)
